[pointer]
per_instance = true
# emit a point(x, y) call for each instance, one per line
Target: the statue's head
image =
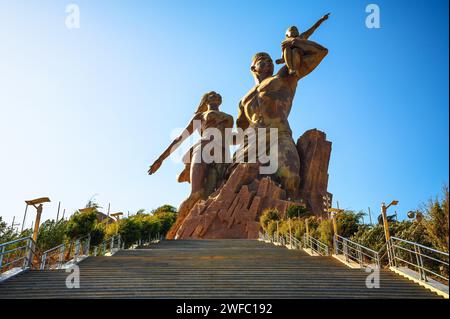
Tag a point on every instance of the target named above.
point(292, 32)
point(212, 98)
point(262, 66)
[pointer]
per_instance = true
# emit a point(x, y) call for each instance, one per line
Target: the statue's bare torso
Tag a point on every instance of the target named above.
point(269, 103)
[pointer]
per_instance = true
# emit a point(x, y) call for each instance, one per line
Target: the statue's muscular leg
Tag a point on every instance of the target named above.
point(198, 173)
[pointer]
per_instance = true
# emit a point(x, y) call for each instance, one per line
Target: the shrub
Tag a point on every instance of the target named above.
point(111, 230)
point(151, 226)
point(166, 220)
point(297, 211)
point(271, 227)
point(298, 228)
point(269, 215)
point(98, 234)
point(325, 232)
point(130, 230)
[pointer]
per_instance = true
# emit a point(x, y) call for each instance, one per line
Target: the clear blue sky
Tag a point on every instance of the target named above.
point(85, 111)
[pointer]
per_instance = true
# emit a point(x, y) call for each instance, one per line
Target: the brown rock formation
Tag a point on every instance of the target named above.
point(234, 210)
point(314, 152)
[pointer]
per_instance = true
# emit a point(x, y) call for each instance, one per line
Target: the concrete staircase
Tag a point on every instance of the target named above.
point(211, 269)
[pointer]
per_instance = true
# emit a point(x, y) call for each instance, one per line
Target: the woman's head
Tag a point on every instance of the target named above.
point(212, 99)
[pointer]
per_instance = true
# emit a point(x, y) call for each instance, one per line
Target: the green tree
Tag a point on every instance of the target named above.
point(437, 222)
point(297, 211)
point(348, 223)
point(81, 224)
point(164, 209)
point(7, 233)
point(51, 234)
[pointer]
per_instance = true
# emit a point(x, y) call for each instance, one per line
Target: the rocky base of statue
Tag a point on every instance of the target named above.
point(234, 210)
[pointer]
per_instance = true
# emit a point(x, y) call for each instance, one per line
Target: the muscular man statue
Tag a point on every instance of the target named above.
point(269, 102)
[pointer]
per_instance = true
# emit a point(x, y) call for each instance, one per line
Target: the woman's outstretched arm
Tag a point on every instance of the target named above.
point(175, 144)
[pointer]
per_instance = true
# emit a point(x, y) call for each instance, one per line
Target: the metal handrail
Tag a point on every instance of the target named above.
point(294, 242)
point(108, 245)
point(421, 246)
point(12, 256)
point(355, 252)
point(151, 239)
point(418, 258)
point(76, 248)
point(315, 245)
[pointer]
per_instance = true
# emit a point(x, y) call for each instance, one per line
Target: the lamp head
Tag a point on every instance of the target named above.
point(38, 201)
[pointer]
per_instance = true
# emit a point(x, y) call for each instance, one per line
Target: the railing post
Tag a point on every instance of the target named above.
point(419, 262)
point(62, 250)
point(112, 244)
point(391, 252)
point(360, 256)
point(88, 245)
point(377, 260)
point(1, 257)
point(43, 261)
point(25, 260)
point(30, 252)
point(345, 249)
point(77, 250)
point(335, 245)
point(95, 251)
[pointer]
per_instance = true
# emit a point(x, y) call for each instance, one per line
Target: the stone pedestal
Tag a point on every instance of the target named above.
point(234, 211)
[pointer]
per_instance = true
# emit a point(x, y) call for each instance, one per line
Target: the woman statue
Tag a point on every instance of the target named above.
point(205, 176)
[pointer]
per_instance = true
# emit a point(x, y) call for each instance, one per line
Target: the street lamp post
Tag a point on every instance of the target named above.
point(38, 204)
point(387, 234)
